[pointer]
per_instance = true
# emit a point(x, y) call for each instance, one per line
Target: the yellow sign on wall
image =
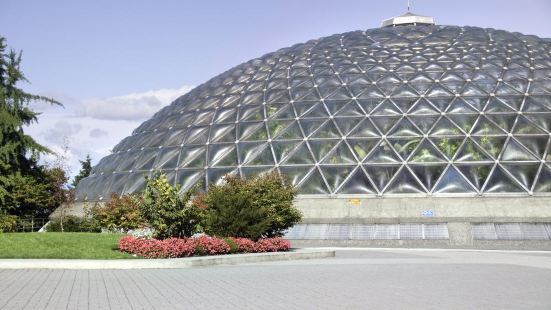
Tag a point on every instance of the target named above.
point(354, 201)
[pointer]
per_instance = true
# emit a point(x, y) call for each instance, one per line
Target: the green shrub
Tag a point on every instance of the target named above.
point(251, 208)
point(120, 213)
point(7, 222)
point(168, 213)
point(73, 224)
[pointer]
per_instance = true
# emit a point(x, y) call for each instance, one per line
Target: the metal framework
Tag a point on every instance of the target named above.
point(409, 110)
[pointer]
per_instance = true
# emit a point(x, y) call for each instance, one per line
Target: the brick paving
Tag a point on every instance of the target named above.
point(355, 279)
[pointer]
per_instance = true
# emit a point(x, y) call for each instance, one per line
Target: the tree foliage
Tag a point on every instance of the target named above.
point(23, 182)
point(251, 208)
point(168, 213)
point(85, 170)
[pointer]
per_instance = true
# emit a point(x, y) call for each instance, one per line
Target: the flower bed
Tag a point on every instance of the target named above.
point(204, 245)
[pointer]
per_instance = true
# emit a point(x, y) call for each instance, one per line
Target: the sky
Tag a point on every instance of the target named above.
point(113, 64)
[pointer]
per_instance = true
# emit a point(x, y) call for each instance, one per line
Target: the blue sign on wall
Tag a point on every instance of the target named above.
point(427, 213)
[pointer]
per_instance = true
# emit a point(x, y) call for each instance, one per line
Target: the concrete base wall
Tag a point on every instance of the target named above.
point(458, 213)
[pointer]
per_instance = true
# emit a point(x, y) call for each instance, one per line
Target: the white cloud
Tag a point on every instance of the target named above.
point(95, 126)
point(136, 106)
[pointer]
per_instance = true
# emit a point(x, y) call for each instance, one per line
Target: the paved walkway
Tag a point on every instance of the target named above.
point(355, 279)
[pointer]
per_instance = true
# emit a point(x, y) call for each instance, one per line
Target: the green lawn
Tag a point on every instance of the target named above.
point(60, 245)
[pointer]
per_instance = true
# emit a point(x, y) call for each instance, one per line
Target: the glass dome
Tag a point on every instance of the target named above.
point(410, 110)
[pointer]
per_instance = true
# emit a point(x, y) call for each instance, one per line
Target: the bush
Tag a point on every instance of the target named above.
point(204, 245)
point(120, 213)
point(7, 222)
point(73, 224)
point(166, 211)
point(251, 208)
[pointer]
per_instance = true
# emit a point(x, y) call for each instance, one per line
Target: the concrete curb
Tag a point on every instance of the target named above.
point(187, 262)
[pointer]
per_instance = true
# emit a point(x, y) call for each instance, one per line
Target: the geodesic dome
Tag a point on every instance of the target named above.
point(408, 110)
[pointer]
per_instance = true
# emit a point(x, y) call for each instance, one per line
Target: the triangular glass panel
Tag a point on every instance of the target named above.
point(441, 103)
point(504, 121)
point(387, 88)
point(282, 149)
point(357, 183)
point(313, 184)
point(500, 182)
point(524, 173)
point(536, 144)
point(428, 174)
point(515, 152)
point(425, 153)
point(404, 91)
point(305, 94)
point(280, 112)
point(386, 108)
point(290, 132)
point(404, 104)
point(438, 91)
point(222, 133)
point(255, 153)
point(335, 175)
point(496, 106)
point(192, 156)
point(222, 155)
point(424, 122)
point(303, 107)
point(383, 153)
point(471, 152)
point(485, 127)
point(404, 183)
point(252, 113)
point(537, 104)
point(476, 174)
point(367, 92)
point(503, 89)
point(250, 172)
point(453, 182)
point(381, 175)
point(300, 155)
point(335, 105)
point(277, 126)
point(445, 128)
point(543, 185)
point(470, 90)
point(167, 158)
point(491, 144)
point(197, 135)
point(448, 145)
point(340, 155)
point(320, 148)
point(246, 129)
point(317, 111)
point(524, 126)
point(347, 124)
point(327, 130)
point(340, 93)
point(543, 120)
point(225, 115)
point(310, 125)
point(351, 109)
point(420, 88)
point(464, 121)
point(384, 123)
point(187, 178)
point(423, 107)
point(368, 105)
point(476, 102)
point(514, 102)
point(146, 159)
point(175, 137)
point(405, 147)
point(295, 174)
point(460, 106)
point(365, 129)
point(362, 147)
point(404, 129)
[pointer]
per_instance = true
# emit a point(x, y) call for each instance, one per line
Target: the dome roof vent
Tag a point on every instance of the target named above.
point(408, 19)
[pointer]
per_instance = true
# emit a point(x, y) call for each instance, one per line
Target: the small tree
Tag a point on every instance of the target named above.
point(85, 170)
point(168, 213)
point(251, 208)
point(120, 213)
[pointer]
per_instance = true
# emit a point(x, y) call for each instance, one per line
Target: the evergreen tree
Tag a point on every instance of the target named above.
point(85, 170)
point(19, 153)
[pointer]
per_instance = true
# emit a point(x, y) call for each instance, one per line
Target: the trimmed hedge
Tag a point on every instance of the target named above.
point(204, 245)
